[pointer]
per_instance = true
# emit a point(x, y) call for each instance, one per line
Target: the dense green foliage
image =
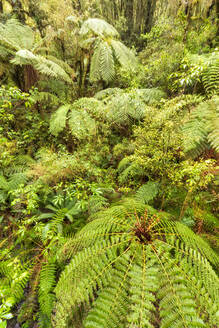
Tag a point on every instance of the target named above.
point(109, 176)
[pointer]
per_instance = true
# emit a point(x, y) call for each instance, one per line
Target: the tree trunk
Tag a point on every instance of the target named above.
point(1, 7)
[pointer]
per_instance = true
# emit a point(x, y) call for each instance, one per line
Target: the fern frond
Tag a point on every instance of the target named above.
point(151, 96)
point(3, 183)
point(93, 106)
point(108, 93)
point(201, 281)
point(107, 63)
point(41, 64)
point(45, 294)
point(144, 273)
point(177, 306)
point(16, 180)
point(211, 78)
point(133, 171)
point(43, 96)
point(113, 300)
point(62, 64)
point(81, 124)
point(58, 120)
point(55, 225)
point(125, 109)
point(201, 129)
point(213, 123)
point(4, 52)
point(15, 36)
point(96, 203)
point(123, 54)
point(14, 280)
point(97, 27)
point(198, 244)
point(102, 63)
point(147, 192)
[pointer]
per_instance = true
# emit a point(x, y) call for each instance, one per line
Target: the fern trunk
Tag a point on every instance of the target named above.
point(30, 77)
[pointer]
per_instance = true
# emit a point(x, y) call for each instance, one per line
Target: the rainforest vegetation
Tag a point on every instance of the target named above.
point(109, 163)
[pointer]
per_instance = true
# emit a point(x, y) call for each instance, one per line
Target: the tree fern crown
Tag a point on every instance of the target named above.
point(132, 268)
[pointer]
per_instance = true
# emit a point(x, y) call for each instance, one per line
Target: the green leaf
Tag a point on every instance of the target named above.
point(58, 120)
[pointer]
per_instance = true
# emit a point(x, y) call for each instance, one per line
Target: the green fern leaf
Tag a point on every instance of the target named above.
point(45, 294)
point(201, 129)
point(3, 183)
point(81, 124)
point(41, 64)
point(147, 192)
point(123, 54)
point(58, 120)
point(97, 27)
point(16, 36)
point(211, 77)
point(102, 63)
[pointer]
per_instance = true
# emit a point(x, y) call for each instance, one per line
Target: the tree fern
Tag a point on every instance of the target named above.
point(134, 269)
point(81, 124)
point(18, 41)
point(119, 108)
point(91, 105)
point(125, 108)
point(107, 93)
point(99, 36)
point(151, 96)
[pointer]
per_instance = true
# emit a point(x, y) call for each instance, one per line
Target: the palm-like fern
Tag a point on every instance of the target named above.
point(124, 108)
point(201, 130)
point(117, 107)
point(17, 42)
point(133, 269)
point(101, 36)
point(127, 108)
point(80, 122)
